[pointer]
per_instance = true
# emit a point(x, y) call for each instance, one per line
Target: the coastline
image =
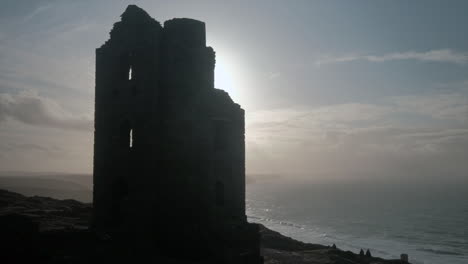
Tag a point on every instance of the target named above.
point(423, 221)
point(41, 225)
point(299, 233)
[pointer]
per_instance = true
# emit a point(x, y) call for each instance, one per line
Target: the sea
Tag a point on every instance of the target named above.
point(429, 222)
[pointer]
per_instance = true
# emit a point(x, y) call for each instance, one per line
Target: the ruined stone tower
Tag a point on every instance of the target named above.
point(169, 148)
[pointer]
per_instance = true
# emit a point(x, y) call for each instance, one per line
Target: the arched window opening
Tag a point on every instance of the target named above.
point(219, 190)
point(131, 138)
point(130, 73)
point(126, 135)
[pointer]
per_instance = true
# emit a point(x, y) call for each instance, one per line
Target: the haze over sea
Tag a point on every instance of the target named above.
point(427, 221)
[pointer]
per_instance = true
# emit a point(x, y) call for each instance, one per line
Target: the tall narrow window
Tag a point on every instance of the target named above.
point(130, 73)
point(131, 138)
point(126, 135)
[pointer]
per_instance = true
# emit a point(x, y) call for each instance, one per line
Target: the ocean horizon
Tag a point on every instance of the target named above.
point(428, 222)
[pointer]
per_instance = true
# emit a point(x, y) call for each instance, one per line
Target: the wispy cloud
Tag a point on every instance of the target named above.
point(451, 106)
point(442, 56)
point(30, 108)
point(399, 136)
point(274, 75)
point(36, 12)
point(11, 147)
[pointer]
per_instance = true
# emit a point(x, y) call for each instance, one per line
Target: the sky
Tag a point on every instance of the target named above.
point(332, 89)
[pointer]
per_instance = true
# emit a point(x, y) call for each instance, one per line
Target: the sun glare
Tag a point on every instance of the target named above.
point(223, 76)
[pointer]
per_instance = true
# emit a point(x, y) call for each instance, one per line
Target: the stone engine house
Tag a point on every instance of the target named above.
point(169, 152)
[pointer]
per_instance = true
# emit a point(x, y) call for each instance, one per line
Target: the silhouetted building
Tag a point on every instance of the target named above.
point(169, 152)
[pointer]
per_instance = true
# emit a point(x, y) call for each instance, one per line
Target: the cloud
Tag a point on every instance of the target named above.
point(42, 149)
point(36, 12)
point(328, 123)
point(274, 75)
point(403, 136)
point(453, 106)
point(331, 116)
point(442, 56)
point(30, 108)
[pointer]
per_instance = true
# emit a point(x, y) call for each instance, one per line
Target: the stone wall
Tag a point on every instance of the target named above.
point(169, 151)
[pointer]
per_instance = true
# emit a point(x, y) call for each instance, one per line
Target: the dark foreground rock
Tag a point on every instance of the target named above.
point(45, 230)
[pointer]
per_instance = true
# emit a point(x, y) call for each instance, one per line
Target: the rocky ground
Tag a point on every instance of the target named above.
point(45, 230)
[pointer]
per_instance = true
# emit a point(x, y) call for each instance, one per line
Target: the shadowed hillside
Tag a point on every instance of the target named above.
point(34, 229)
point(55, 185)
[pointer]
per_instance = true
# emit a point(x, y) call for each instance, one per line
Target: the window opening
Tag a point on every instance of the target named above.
point(130, 74)
point(126, 135)
point(131, 138)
